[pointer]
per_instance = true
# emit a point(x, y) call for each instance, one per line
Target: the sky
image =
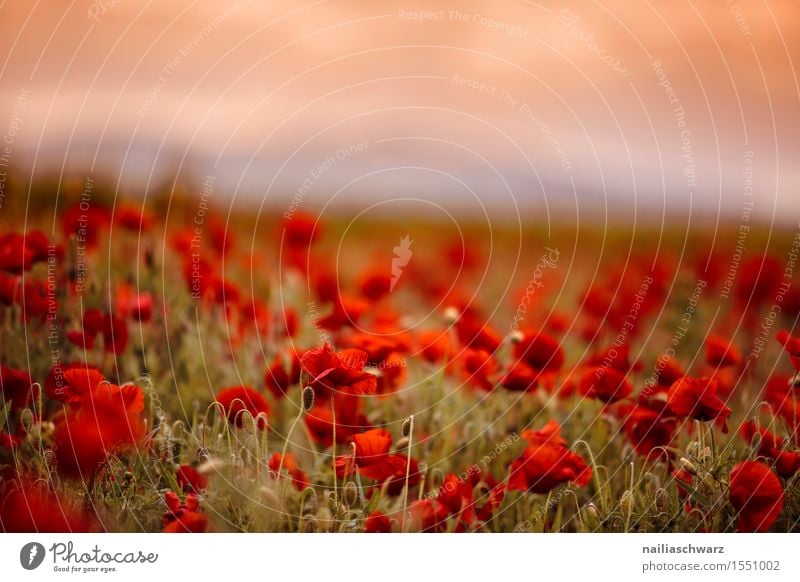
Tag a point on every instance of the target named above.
point(589, 109)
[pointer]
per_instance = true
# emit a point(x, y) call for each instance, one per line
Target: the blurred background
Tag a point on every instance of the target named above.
point(600, 111)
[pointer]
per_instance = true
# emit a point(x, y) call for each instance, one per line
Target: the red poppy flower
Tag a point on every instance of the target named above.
point(278, 380)
point(456, 494)
point(221, 237)
point(9, 285)
point(31, 508)
point(183, 517)
point(697, 398)
point(372, 447)
point(668, 371)
point(649, 426)
point(478, 368)
point(475, 334)
point(605, 384)
point(435, 346)
point(377, 522)
point(85, 222)
point(331, 372)
point(493, 500)
point(92, 325)
point(792, 347)
point(113, 329)
point(540, 350)
point(301, 229)
point(239, 399)
point(383, 354)
point(397, 479)
point(721, 352)
point(289, 322)
point(349, 420)
point(756, 494)
point(546, 463)
point(783, 394)
point(520, 377)
point(758, 280)
point(9, 441)
point(347, 311)
point(392, 374)
point(15, 256)
point(373, 461)
point(428, 516)
point(34, 299)
point(107, 419)
point(133, 218)
point(69, 382)
point(542, 469)
point(190, 480)
point(375, 284)
point(256, 315)
point(129, 304)
point(787, 463)
point(16, 387)
point(549, 434)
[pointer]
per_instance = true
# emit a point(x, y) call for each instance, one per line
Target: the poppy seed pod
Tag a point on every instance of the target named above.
point(408, 424)
point(308, 398)
point(688, 466)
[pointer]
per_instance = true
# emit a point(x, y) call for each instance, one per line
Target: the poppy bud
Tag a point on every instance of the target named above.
point(662, 500)
point(401, 444)
point(309, 500)
point(408, 424)
point(688, 466)
point(516, 336)
point(308, 398)
point(451, 315)
point(591, 516)
point(350, 493)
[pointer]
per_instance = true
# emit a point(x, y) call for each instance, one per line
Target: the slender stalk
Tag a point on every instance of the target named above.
point(408, 468)
point(333, 455)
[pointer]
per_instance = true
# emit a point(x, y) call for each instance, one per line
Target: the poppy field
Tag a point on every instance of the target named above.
point(172, 365)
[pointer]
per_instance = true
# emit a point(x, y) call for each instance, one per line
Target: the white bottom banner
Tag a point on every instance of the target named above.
point(399, 557)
